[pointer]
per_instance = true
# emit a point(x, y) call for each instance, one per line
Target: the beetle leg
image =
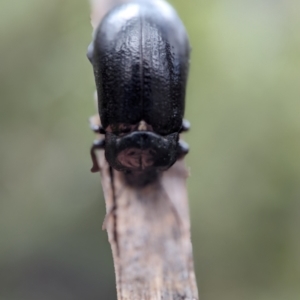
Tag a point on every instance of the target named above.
point(182, 149)
point(95, 127)
point(97, 144)
point(186, 125)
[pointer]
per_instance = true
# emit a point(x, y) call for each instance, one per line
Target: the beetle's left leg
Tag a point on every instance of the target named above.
point(96, 127)
point(182, 149)
point(186, 125)
point(97, 144)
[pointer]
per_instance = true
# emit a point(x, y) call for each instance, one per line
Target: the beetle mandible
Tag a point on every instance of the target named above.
point(140, 56)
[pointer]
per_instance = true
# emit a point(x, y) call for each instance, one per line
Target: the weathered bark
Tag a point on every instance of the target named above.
point(148, 228)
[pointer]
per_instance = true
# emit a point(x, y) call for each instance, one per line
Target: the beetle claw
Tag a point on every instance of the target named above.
point(97, 144)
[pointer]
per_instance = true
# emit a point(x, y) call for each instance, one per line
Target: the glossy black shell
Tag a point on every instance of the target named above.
point(140, 56)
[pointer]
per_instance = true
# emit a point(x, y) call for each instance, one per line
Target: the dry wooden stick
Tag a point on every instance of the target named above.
point(148, 228)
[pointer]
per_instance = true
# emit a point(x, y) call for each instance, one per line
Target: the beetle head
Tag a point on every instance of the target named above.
point(141, 151)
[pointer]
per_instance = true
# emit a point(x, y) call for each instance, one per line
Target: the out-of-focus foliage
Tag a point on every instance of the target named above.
point(244, 104)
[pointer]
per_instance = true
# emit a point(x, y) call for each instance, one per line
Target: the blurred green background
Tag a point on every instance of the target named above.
point(243, 102)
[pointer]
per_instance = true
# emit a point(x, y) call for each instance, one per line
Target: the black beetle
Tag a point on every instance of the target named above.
point(140, 56)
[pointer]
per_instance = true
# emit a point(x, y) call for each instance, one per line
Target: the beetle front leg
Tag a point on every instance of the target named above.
point(186, 125)
point(96, 127)
point(97, 145)
point(182, 149)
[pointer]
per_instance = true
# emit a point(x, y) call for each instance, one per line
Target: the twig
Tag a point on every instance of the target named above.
point(148, 228)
